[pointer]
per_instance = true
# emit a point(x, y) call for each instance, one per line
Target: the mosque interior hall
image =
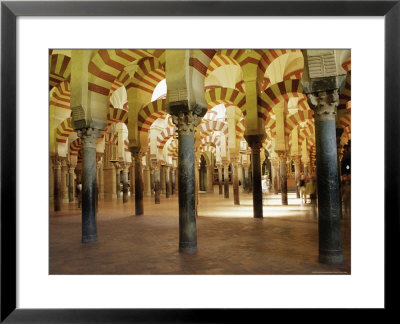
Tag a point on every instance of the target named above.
point(200, 161)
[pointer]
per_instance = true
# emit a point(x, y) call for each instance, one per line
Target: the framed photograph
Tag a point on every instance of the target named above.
point(30, 292)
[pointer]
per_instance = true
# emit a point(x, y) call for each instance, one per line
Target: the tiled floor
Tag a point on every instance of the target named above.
point(230, 240)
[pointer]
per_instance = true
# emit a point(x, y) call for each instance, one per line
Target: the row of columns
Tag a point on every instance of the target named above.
point(324, 105)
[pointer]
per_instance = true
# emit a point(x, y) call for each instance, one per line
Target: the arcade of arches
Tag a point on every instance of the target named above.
point(189, 161)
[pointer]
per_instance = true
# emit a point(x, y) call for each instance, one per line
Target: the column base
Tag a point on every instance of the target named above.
point(89, 238)
point(188, 247)
point(331, 257)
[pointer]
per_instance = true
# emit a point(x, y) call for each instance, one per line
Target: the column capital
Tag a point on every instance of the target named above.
point(324, 104)
point(255, 141)
point(234, 157)
point(155, 164)
point(186, 122)
point(219, 165)
point(282, 156)
point(225, 163)
point(297, 160)
point(89, 136)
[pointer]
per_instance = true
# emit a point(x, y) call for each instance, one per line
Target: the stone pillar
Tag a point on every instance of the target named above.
point(275, 165)
point(64, 182)
point(324, 104)
point(226, 179)
point(117, 179)
point(186, 123)
point(57, 183)
point(219, 166)
point(167, 184)
point(235, 179)
point(71, 186)
point(157, 180)
point(89, 226)
point(339, 132)
point(173, 180)
point(162, 178)
point(101, 181)
point(297, 172)
point(283, 176)
point(210, 178)
point(151, 180)
point(146, 180)
point(132, 178)
point(255, 142)
point(125, 169)
point(246, 177)
point(138, 182)
point(196, 182)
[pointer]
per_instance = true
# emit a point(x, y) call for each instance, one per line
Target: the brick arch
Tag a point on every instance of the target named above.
point(64, 130)
point(148, 114)
point(276, 93)
point(75, 146)
point(227, 96)
point(172, 149)
point(210, 126)
point(60, 69)
point(220, 60)
point(164, 136)
point(293, 120)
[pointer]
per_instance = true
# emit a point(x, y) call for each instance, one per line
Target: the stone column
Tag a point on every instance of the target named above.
point(57, 183)
point(132, 178)
point(186, 123)
point(64, 183)
point(339, 132)
point(162, 178)
point(283, 176)
point(125, 169)
point(101, 181)
point(146, 180)
point(226, 178)
point(196, 182)
point(235, 179)
point(255, 142)
point(246, 177)
point(89, 226)
point(172, 180)
point(117, 179)
point(138, 182)
point(324, 104)
point(219, 166)
point(151, 180)
point(71, 187)
point(157, 180)
point(167, 184)
point(275, 165)
point(297, 172)
point(210, 177)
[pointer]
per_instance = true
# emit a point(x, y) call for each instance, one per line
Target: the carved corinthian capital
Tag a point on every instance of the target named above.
point(324, 104)
point(89, 136)
point(186, 122)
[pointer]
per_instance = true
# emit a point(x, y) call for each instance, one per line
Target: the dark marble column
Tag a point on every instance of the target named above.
point(173, 181)
point(89, 226)
point(235, 179)
point(71, 183)
point(297, 174)
point(246, 178)
point(186, 123)
point(226, 179)
point(275, 164)
point(324, 104)
point(283, 177)
point(162, 178)
point(220, 190)
point(125, 169)
point(138, 182)
point(167, 187)
point(157, 180)
point(57, 183)
point(255, 142)
point(339, 132)
point(151, 181)
point(117, 179)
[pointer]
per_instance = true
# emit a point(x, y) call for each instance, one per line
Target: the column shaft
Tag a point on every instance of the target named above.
point(235, 183)
point(125, 185)
point(283, 177)
point(71, 185)
point(226, 180)
point(257, 190)
point(138, 184)
point(57, 185)
point(220, 180)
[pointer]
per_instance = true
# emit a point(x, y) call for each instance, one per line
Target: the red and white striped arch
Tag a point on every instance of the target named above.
point(64, 130)
point(293, 120)
point(75, 146)
point(60, 69)
point(148, 114)
point(61, 96)
point(276, 93)
point(164, 136)
point(172, 148)
point(209, 126)
point(227, 96)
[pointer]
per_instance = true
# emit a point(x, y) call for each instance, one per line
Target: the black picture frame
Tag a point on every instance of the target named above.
point(10, 10)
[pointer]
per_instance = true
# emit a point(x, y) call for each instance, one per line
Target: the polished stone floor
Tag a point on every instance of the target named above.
point(230, 240)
